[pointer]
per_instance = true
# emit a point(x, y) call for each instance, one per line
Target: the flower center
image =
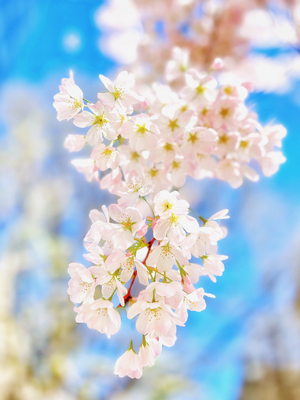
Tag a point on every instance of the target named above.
point(193, 138)
point(224, 112)
point(107, 153)
point(135, 156)
point(200, 89)
point(173, 124)
point(100, 120)
point(127, 224)
point(118, 93)
point(244, 144)
point(223, 139)
point(167, 205)
point(168, 147)
point(173, 219)
point(175, 164)
point(142, 129)
point(85, 286)
point(75, 104)
point(102, 311)
point(154, 313)
point(153, 172)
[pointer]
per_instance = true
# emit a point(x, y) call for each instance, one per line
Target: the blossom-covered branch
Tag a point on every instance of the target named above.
point(144, 146)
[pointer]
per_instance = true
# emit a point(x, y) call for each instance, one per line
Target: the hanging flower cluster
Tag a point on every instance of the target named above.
point(143, 149)
point(154, 251)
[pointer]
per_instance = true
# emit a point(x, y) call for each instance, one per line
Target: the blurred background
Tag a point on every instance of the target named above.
point(246, 344)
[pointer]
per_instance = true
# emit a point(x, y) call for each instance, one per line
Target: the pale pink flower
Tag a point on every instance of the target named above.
point(203, 243)
point(94, 234)
point(119, 93)
point(199, 140)
point(195, 300)
point(230, 171)
point(176, 67)
point(141, 132)
point(167, 203)
point(126, 262)
point(129, 364)
point(227, 142)
point(228, 112)
point(105, 157)
point(129, 221)
point(166, 151)
point(88, 167)
point(82, 284)
point(177, 171)
point(154, 317)
point(275, 134)
point(212, 264)
point(69, 101)
point(270, 163)
point(194, 271)
point(75, 142)
point(101, 120)
point(175, 228)
point(136, 186)
point(112, 181)
point(201, 88)
point(100, 315)
point(174, 121)
point(164, 256)
point(146, 355)
point(170, 293)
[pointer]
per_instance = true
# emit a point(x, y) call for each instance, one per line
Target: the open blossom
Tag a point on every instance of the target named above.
point(100, 315)
point(167, 203)
point(69, 101)
point(120, 93)
point(101, 120)
point(213, 265)
point(106, 157)
point(141, 132)
point(129, 364)
point(82, 284)
point(122, 233)
point(164, 256)
point(154, 317)
point(75, 142)
point(174, 227)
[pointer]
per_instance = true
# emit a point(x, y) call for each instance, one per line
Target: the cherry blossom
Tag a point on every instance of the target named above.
point(69, 101)
point(129, 364)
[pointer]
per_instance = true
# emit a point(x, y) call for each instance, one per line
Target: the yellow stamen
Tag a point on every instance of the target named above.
point(244, 144)
point(200, 89)
point(142, 129)
point(173, 125)
point(224, 112)
point(167, 205)
point(193, 138)
point(223, 139)
point(168, 147)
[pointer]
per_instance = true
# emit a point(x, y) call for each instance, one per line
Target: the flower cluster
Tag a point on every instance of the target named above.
point(152, 247)
point(154, 142)
point(143, 149)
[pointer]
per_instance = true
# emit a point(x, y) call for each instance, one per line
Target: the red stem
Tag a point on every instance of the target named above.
point(128, 296)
